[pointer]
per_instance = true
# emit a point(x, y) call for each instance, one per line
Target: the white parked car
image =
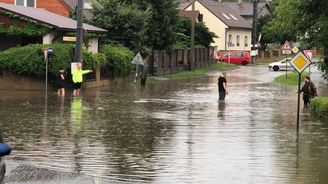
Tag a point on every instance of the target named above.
point(281, 65)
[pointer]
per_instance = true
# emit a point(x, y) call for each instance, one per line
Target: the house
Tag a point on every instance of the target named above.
point(21, 25)
point(245, 9)
point(190, 14)
point(233, 31)
point(60, 7)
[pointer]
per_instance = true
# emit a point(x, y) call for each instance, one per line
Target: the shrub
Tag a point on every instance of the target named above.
point(119, 58)
point(319, 107)
point(29, 60)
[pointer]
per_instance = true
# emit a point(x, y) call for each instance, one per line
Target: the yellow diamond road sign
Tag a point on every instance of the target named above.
point(295, 50)
point(300, 62)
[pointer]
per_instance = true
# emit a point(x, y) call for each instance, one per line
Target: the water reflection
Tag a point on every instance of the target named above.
point(221, 107)
point(169, 132)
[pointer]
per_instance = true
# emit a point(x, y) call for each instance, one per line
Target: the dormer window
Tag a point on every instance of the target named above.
point(26, 3)
point(233, 17)
point(225, 15)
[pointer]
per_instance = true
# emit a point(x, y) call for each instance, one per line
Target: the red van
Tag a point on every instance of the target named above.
point(236, 57)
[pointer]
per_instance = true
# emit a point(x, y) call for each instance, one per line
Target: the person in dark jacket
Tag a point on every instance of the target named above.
point(60, 83)
point(309, 91)
point(222, 85)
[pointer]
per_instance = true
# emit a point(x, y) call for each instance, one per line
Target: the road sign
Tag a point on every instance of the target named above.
point(74, 66)
point(300, 62)
point(286, 52)
point(254, 52)
point(309, 53)
point(286, 48)
point(137, 60)
point(69, 38)
point(295, 50)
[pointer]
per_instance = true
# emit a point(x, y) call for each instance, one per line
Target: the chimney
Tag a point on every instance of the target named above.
point(240, 1)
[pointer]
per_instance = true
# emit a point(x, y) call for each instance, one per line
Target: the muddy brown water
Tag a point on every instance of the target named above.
point(171, 132)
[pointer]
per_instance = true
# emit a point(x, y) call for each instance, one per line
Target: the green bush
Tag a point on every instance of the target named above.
point(319, 107)
point(91, 61)
point(29, 60)
point(119, 58)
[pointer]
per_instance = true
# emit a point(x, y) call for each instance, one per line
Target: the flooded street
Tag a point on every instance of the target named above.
point(171, 132)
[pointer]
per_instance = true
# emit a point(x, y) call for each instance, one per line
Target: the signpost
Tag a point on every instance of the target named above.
point(286, 50)
point(137, 60)
point(309, 54)
point(47, 52)
point(300, 62)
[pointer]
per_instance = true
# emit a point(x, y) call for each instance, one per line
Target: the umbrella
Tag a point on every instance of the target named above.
point(138, 60)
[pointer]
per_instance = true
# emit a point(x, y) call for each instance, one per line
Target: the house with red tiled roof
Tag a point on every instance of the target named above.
point(233, 31)
point(20, 25)
point(60, 7)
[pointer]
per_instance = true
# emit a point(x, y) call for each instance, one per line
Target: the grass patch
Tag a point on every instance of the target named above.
point(292, 78)
point(319, 107)
point(201, 71)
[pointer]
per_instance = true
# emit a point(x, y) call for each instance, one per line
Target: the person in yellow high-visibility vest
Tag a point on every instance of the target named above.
point(78, 79)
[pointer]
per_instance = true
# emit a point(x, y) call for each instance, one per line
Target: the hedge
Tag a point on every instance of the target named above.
point(29, 60)
point(319, 107)
point(119, 58)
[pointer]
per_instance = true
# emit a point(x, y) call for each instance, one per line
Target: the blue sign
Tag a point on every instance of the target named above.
point(50, 51)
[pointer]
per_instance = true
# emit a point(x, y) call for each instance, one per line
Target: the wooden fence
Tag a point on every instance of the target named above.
point(164, 63)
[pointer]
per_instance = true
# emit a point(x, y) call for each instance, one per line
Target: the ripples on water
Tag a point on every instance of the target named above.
point(172, 132)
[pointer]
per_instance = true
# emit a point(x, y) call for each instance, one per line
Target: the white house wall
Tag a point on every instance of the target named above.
point(242, 33)
point(214, 24)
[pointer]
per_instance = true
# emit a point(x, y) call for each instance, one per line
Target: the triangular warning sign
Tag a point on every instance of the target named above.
point(309, 53)
point(286, 46)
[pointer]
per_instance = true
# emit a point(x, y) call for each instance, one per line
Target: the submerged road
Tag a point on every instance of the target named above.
point(167, 132)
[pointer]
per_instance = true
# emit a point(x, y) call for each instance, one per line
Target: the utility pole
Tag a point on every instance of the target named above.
point(254, 30)
point(79, 32)
point(192, 48)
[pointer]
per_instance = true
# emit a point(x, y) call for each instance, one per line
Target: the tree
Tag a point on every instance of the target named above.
point(305, 20)
point(163, 25)
point(203, 36)
point(126, 23)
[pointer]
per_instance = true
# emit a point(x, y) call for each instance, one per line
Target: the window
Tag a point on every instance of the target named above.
point(230, 41)
point(225, 15)
point(238, 40)
point(200, 18)
point(20, 2)
point(232, 16)
point(28, 3)
point(246, 41)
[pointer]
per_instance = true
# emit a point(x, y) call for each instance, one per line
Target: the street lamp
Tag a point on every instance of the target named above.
point(254, 31)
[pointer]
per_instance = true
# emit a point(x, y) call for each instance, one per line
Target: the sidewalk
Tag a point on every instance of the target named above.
point(26, 174)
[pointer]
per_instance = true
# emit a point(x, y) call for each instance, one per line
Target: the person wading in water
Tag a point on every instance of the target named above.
point(222, 85)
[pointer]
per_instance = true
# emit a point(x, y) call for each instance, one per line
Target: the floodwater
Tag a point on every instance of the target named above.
point(171, 132)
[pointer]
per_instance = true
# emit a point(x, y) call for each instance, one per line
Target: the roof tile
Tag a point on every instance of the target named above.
point(44, 16)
